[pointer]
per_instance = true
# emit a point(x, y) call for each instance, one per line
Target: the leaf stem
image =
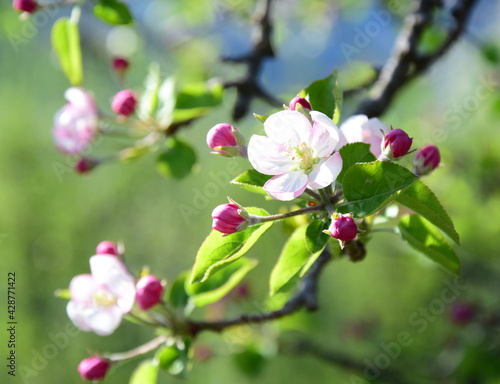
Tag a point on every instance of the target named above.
point(281, 216)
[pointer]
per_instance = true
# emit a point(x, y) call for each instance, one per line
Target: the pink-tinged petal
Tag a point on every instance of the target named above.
point(324, 135)
point(286, 187)
point(376, 127)
point(125, 292)
point(82, 287)
point(289, 128)
point(352, 128)
point(268, 157)
point(375, 144)
point(326, 171)
point(80, 99)
point(109, 270)
point(75, 312)
point(103, 321)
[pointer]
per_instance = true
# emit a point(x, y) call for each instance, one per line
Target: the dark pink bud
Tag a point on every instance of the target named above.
point(229, 218)
point(29, 6)
point(148, 292)
point(85, 165)
point(426, 160)
point(226, 140)
point(107, 248)
point(120, 64)
point(124, 102)
point(300, 100)
point(396, 144)
point(462, 313)
point(93, 368)
point(343, 228)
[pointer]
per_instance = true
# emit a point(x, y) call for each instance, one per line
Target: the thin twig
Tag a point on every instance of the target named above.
point(306, 297)
point(140, 350)
point(405, 62)
point(248, 86)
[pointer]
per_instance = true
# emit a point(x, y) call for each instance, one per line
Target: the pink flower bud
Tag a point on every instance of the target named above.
point(124, 103)
point(29, 6)
point(85, 165)
point(226, 140)
point(300, 100)
point(343, 228)
point(426, 160)
point(462, 313)
point(148, 292)
point(93, 368)
point(396, 144)
point(229, 218)
point(120, 64)
point(107, 248)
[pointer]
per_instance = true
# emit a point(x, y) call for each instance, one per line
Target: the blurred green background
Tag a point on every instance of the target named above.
point(51, 219)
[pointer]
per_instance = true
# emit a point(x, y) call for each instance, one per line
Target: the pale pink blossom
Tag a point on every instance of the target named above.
point(100, 299)
point(297, 152)
point(359, 128)
point(75, 124)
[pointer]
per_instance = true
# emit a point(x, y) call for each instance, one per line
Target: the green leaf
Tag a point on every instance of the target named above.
point(166, 101)
point(261, 118)
point(132, 153)
point(294, 256)
point(339, 99)
point(149, 99)
point(195, 100)
point(354, 153)
point(177, 295)
point(177, 161)
point(425, 238)
point(325, 96)
point(220, 283)
point(217, 251)
point(66, 43)
point(420, 199)
point(250, 361)
point(252, 181)
point(369, 187)
point(145, 373)
point(63, 293)
point(167, 356)
point(113, 12)
point(491, 52)
point(315, 238)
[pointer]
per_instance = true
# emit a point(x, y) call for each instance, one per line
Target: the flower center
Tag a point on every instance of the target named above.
point(304, 157)
point(103, 298)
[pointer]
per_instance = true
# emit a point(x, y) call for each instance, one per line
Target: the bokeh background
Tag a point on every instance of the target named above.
point(51, 219)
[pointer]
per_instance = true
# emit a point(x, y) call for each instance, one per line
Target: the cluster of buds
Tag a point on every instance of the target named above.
point(226, 140)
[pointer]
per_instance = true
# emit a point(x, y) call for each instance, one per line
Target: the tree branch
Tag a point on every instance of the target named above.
point(306, 297)
point(248, 86)
point(405, 62)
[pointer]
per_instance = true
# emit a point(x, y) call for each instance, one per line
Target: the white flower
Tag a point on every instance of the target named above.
point(297, 152)
point(359, 128)
point(75, 124)
point(98, 301)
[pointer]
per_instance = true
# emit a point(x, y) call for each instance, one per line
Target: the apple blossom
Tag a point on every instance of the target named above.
point(149, 291)
point(93, 368)
point(75, 124)
point(100, 299)
point(297, 152)
point(226, 140)
point(359, 128)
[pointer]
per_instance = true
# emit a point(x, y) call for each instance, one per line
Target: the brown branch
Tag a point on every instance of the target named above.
point(248, 86)
point(306, 297)
point(405, 62)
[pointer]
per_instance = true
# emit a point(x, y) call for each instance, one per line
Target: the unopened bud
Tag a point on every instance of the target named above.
point(107, 248)
point(85, 165)
point(342, 228)
point(396, 144)
point(29, 6)
point(462, 313)
point(426, 160)
point(226, 140)
point(229, 218)
point(93, 368)
point(124, 103)
point(149, 291)
point(299, 100)
point(120, 64)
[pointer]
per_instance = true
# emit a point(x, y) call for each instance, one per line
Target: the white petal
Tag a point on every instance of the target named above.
point(352, 128)
point(289, 128)
point(108, 270)
point(75, 312)
point(324, 135)
point(80, 99)
point(326, 171)
point(82, 287)
point(103, 321)
point(376, 127)
point(268, 157)
point(286, 187)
